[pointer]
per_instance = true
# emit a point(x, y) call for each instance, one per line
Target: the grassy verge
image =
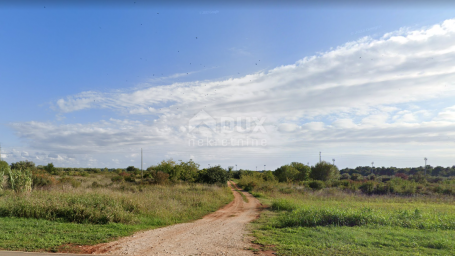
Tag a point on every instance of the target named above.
point(47, 219)
point(245, 199)
point(332, 222)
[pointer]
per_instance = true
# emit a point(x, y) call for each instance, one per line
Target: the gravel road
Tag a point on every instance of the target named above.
point(220, 233)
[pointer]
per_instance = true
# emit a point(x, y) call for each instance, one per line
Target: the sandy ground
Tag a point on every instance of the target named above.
point(220, 233)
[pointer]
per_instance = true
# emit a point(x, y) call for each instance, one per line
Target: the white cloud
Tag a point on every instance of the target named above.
point(360, 87)
point(344, 123)
point(448, 114)
point(287, 127)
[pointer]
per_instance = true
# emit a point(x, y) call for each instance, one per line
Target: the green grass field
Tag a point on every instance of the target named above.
point(332, 222)
point(46, 220)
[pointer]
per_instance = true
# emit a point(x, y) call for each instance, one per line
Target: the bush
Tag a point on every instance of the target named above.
point(71, 181)
point(43, 180)
point(303, 171)
point(401, 175)
point(356, 176)
point(324, 171)
point(316, 184)
point(368, 187)
point(214, 175)
point(22, 165)
point(286, 173)
point(160, 177)
point(130, 179)
point(345, 176)
point(117, 179)
point(51, 169)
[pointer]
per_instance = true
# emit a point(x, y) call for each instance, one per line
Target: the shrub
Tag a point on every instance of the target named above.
point(303, 171)
point(51, 169)
point(324, 171)
point(130, 179)
point(71, 181)
point(356, 176)
point(401, 175)
point(160, 177)
point(316, 184)
point(22, 165)
point(345, 176)
point(43, 180)
point(286, 173)
point(368, 187)
point(250, 186)
point(383, 189)
point(117, 179)
point(214, 175)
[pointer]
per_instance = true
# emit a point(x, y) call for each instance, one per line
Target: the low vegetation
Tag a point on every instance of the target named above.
point(314, 210)
point(388, 215)
point(98, 206)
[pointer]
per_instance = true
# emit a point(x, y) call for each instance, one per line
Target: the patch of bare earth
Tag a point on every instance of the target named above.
point(220, 233)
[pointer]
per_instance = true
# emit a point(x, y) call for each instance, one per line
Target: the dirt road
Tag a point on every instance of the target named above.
point(220, 233)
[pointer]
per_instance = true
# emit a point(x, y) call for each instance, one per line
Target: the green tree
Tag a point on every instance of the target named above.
point(213, 175)
point(189, 171)
point(268, 176)
point(49, 168)
point(304, 171)
point(131, 169)
point(286, 173)
point(22, 165)
point(324, 171)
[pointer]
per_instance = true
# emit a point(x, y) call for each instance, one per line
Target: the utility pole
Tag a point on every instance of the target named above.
point(372, 163)
point(236, 167)
point(319, 156)
point(333, 160)
point(425, 165)
point(264, 167)
point(142, 170)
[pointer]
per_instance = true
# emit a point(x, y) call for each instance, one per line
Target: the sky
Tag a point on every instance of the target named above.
point(251, 86)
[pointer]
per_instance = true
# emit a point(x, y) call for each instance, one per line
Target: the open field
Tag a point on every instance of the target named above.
point(331, 221)
point(81, 213)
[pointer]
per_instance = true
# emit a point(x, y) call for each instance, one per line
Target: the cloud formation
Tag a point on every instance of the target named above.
point(366, 92)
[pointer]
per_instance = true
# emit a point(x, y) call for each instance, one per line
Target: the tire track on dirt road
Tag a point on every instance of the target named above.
point(220, 233)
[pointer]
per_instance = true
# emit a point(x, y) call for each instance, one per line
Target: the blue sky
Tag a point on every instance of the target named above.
point(89, 85)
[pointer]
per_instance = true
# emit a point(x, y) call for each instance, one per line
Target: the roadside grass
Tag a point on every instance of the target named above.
point(245, 199)
point(333, 222)
point(48, 218)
